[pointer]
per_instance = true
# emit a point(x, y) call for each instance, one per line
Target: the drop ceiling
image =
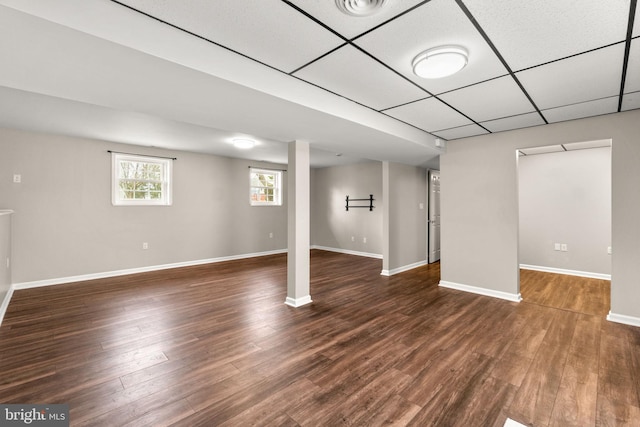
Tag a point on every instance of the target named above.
point(193, 74)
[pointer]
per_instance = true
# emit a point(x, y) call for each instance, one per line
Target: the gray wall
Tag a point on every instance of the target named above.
point(404, 223)
point(333, 226)
point(480, 204)
point(64, 224)
point(565, 198)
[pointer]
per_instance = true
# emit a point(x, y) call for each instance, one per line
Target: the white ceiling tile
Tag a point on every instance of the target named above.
point(358, 77)
point(572, 146)
point(542, 150)
point(490, 100)
point(584, 109)
point(428, 114)
point(514, 122)
point(436, 23)
point(581, 78)
point(349, 26)
point(253, 29)
point(632, 81)
point(461, 132)
point(631, 101)
point(636, 23)
point(529, 32)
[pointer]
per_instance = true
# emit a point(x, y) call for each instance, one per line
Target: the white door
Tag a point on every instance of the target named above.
point(434, 216)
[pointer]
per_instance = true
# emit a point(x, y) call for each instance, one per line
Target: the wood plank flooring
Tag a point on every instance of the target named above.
point(215, 345)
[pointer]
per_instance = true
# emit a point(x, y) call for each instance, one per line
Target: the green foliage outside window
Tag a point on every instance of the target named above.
point(139, 180)
point(265, 187)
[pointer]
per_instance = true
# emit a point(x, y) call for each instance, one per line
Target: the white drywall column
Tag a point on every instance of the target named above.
point(386, 211)
point(298, 236)
point(5, 261)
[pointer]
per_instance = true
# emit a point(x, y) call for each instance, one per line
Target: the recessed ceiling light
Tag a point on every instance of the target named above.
point(440, 62)
point(360, 7)
point(243, 143)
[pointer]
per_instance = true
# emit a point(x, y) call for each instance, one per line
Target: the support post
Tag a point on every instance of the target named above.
point(298, 237)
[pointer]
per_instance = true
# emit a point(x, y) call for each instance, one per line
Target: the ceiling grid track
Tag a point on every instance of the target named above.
point(365, 52)
point(627, 49)
point(500, 57)
point(191, 33)
point(460, 118)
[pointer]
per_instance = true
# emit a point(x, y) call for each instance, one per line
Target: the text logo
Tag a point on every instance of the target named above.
point(34, 415)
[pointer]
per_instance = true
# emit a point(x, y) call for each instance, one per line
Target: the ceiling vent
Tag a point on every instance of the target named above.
point(360, 7)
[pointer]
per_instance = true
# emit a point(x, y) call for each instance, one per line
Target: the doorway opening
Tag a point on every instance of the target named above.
point(433, 217)
point(564, 202)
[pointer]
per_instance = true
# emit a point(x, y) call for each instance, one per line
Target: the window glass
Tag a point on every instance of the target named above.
point(141, 180)
point(265, 187)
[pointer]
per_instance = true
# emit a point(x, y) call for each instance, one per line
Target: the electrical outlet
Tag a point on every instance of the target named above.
point(145, 245)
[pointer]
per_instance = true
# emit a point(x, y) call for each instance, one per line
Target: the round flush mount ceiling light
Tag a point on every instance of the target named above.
point(243, 143)
point(360, 7)
point(440, 62)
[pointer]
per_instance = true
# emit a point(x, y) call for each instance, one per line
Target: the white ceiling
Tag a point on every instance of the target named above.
point(191, 75)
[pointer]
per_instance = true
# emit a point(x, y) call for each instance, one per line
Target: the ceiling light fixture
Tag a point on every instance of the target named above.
point(243, 143)
point(440, 62)
point(360, 7)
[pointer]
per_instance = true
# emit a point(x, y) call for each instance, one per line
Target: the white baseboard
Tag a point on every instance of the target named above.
point(403, 268)
point(347, 251)
point(565, 271)
point(5, 303)
point(92, 276)
point(481, 291)
point(298, 302)
point(621, 318)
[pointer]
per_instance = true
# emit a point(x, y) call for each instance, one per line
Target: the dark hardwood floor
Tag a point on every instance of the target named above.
point(215, 345)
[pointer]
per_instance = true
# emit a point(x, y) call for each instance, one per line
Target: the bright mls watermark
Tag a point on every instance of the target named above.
point(34, 415)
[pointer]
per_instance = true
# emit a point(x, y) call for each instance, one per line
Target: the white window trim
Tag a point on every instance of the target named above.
point(279, 187)
point(167, 164)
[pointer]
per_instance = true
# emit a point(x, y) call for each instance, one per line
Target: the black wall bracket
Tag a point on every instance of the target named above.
point(370, 205)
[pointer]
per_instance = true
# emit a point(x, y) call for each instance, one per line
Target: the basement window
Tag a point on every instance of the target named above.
point(265, 187)
point(140, 180)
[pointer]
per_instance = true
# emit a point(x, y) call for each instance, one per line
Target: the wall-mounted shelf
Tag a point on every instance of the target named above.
point(370, 205)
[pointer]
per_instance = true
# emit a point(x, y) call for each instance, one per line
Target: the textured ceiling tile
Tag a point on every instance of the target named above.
point(356, 76)
point(490, 100)
point(581, 78)
point(429, 114)
point(351, 26)
point(631, 101)
point(546, 149)
point(632, 82)
point(529, 32)
point(583, 145)
point(255, 29)
point(437, 23)
point(584, 109)
point(514, 122)
point(461, 132)
point(636, 23)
